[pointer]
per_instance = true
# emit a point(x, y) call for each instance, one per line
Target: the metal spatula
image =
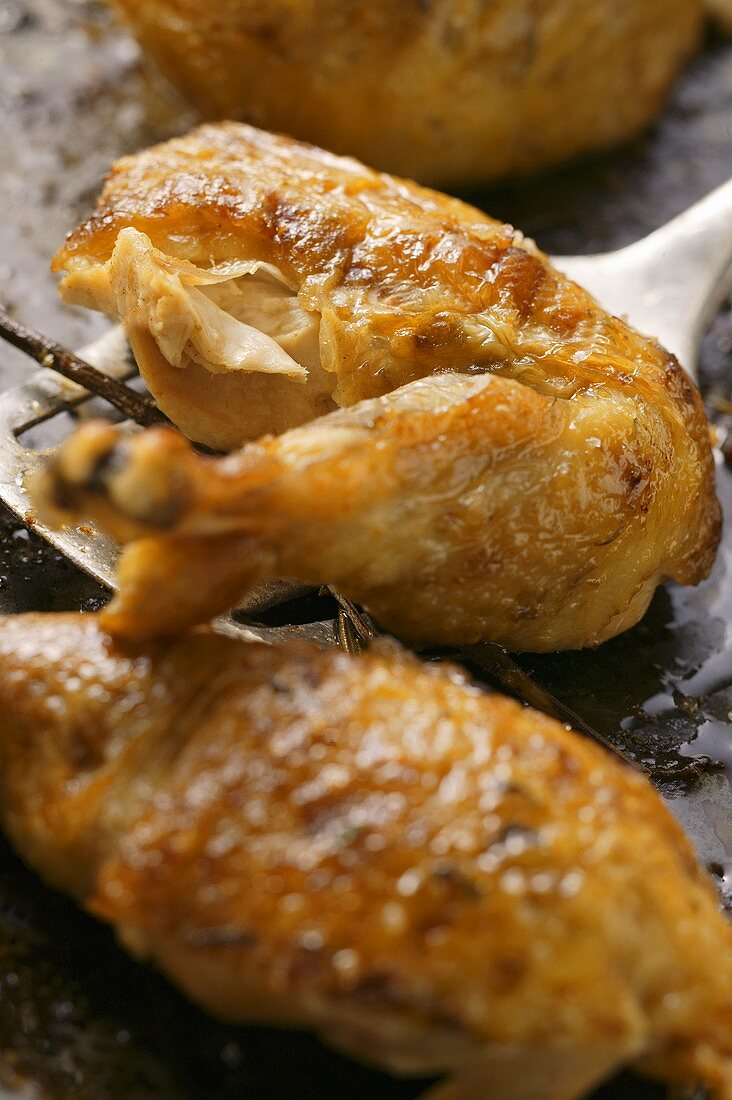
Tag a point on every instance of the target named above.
point(668, 284)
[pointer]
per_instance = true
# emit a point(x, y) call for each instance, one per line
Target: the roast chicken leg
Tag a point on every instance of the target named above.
point(434, 879)
point(449, 91)
point(455, 508)
point(511, 463)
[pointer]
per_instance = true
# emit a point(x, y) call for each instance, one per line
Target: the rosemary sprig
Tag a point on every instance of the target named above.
point(55, 357)
point(355, 629)
point(500, 666)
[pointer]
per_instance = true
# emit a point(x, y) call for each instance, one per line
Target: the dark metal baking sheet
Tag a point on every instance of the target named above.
point(76, 1015)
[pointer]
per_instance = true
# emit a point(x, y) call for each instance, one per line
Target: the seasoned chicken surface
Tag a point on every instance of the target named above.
point(450, 91)
point(263, 282)
point(434, 879)
point(511, 462)
point(455, 509)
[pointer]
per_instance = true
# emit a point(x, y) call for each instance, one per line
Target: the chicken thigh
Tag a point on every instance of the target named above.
point(454, 92)
point(263, 282)
point(434, 879)
point(456, 509)
point(511, 463)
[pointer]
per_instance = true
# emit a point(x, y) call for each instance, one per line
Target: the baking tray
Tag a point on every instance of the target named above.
point(77, 1017)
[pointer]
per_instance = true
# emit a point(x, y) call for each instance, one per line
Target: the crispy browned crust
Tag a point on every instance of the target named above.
point(450, 91)
point(299, 835)
point(433, 266)
point(588, 438)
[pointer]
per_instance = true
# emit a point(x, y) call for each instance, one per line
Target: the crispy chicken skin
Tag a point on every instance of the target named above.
point(455, 509)
point(511, 462)
point(453, 92)
point(432, 878)
point(263, 282)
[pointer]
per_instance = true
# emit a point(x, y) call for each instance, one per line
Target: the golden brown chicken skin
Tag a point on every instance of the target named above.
point(457, 508)
point(434, 879)
point(453, 92)
point(550, 469)
point(238, 259)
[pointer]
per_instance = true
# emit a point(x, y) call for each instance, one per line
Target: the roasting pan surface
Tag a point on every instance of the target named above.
point(77, 1016)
